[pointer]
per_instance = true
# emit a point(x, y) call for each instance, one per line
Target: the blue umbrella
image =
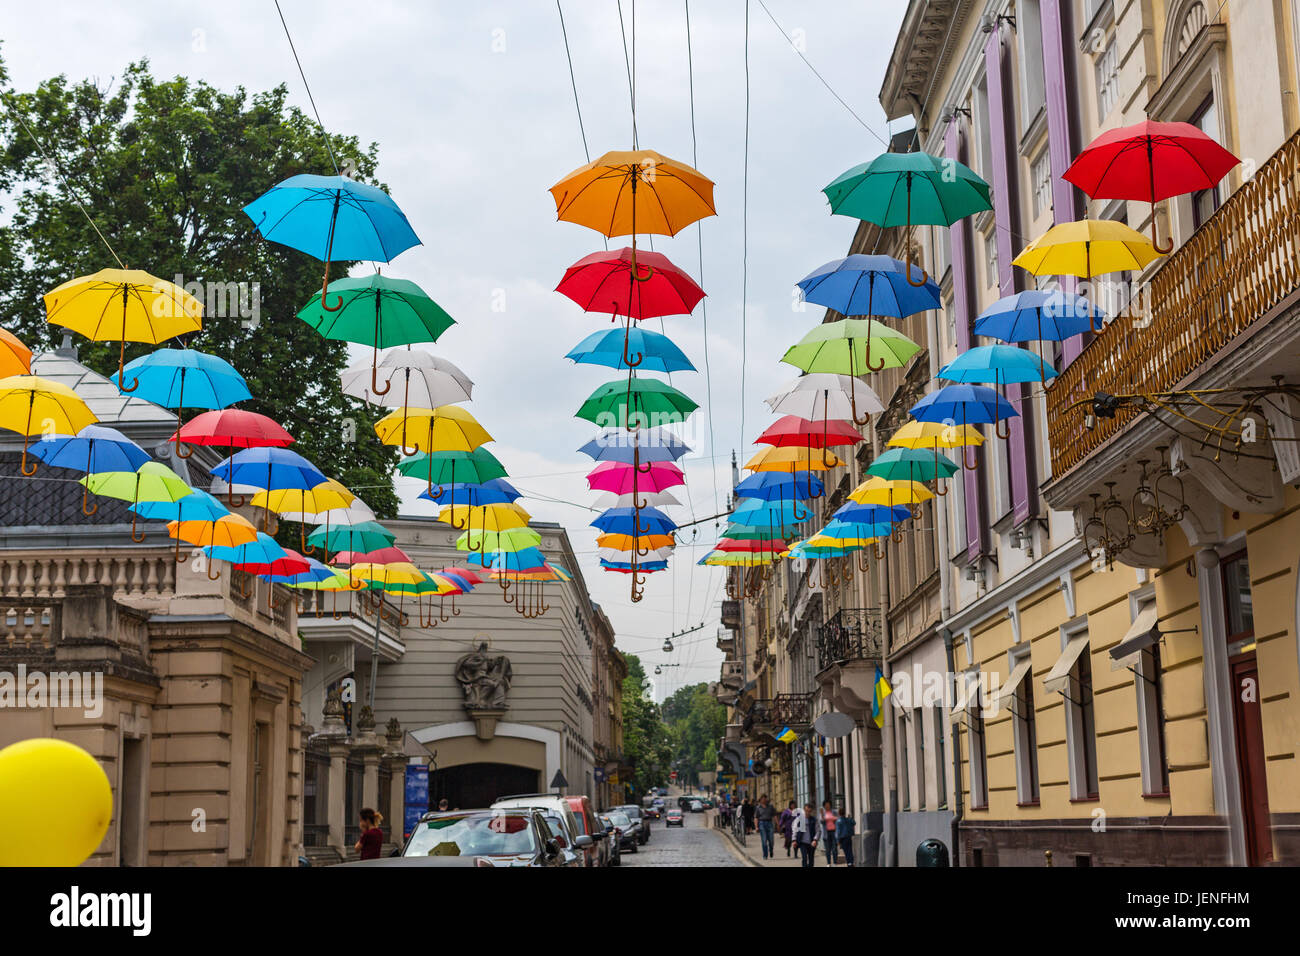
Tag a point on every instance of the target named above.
point(95, 448)
point(265, 550)
point(495, 492)
point(645, 444)
point(646, 566)
point(522, 560)
point(871, 514)
point(1037, 314)
point(271, 469)
point(633, 523)
point(658, 352)
point(998, 364)
point(964, 405)
point(198, 505)
point(870, 285)
point(332, 218)
point(185, 378)
point(778, 485)
point(846, 530)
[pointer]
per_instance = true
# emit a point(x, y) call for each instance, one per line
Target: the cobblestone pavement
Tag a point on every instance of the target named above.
point(695, 844)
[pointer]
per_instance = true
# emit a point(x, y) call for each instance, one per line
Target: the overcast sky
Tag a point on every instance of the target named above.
point(473, 111)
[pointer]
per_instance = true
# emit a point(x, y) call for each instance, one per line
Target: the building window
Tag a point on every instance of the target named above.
point(983, 130)
point(1107, 73)
point(991, 259)
point(1237, 600)
point(904, 791)
point(940, 758)
point(1040, 174)
point(1026, 742)
point(1033, 84)
point(918, 725)
point(1151, 694)
point(1206, 201)
point(1082, 727)
point(979, 774)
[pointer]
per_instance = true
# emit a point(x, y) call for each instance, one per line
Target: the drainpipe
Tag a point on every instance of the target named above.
point(956, 755)
point(887, 737)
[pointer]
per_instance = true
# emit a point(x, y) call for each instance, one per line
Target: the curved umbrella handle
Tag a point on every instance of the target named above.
point(627, 357)
point(179, 559)
point(997, 428)
point(121, 368)
point(861, 561)
point(877, 553)
point(925, 276)
point(374, 374)
point(133, 537)
point(208, 571)
point(896, 535)
point(649, 466)
point(442, 611)
point(970, 465)
point(871, 367)
point(324, 291)
point(85, 492)
point(180, 445)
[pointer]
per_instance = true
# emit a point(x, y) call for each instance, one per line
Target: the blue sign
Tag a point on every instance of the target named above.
point(417, 796)
point(599, 774)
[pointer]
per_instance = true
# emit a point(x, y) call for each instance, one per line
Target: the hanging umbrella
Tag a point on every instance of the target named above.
point(903, 189)
point(790, 431)
point(853, 513)
point(232, 428)
point(1148, 162)
point(184, 378)
point(316, 574)
point(870, 285)
point(494, 492)
point(448, 428)
point(915, 434)
point(262, 550)
point(603, 282)
point(626, 479)
point(332, 218)
point(827, 396)
point(269, 469)
point(290, 563)
point(229, 531)
point(642, 544)
point(964, 404)
point(363, 536)
point(329, 495)
point(632, 521)
point(615, 554)
point(628, 567)
point(152, 481)
point(753, 547)
point(996, 364)
point(15, 358)
point(649, 499)
point(123, 305)
point(773, 485)
point(94, 448)
point(626, 192)
point(511, 539)
point(792, 459)
point(645, 444)
point(31, 405)
point(384, 555)
point(198, 505)
point(613, 347)
point(521, 559)
point(911, 465)
point(427, 380)
point(750, 511)
point(444, 468)
point(890, 492)
point(637, 403)
point(497, 517)
point(1041, 315)
point(845, 347)
point(355, 513)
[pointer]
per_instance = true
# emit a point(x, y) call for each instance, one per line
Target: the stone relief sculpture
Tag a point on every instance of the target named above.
point(485, 679)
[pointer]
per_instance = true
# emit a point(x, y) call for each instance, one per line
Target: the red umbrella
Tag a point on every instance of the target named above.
point(603, 282)
point(291, 563)
point(1149, 162)
point(791, 431)
point(233, 428)
point(753, 546)
point(388, 555)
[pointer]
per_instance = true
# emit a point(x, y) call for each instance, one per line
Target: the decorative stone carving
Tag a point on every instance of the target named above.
point(333, 725)
point(485, 679)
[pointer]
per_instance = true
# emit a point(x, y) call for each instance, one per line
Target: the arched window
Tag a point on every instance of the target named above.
point(1187, 21)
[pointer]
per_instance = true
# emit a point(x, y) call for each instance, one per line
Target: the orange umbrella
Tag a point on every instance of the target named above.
point(228, 531)
point(15, 358)
point(626, 192)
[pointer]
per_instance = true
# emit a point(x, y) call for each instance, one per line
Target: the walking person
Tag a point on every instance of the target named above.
point(765, 814)
point(786, 823)
point(807, 830)
point(372, 837)
point(845, 827)
point(747, 813)
point(828, 828)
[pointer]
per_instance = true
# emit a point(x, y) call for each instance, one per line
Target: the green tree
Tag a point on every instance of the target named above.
point(164, 168)
point(646, 742)
point(696, 721)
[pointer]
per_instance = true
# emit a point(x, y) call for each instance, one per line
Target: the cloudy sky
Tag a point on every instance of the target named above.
point(473, 111)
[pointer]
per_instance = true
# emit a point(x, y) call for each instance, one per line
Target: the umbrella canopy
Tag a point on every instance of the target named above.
point(651, 499)
point(911, 465)
point(770, 513)
point(964, 404)
point(327, 496)
point(774, 486)
point(184, 378)
point(855, 530)
point(1087, 248)
point(355, 513)
point(233, 428)
point(448, 428)
point(603, 282)
point(361, 537)
point(15, 358)
point(316, 573)
point(521, 559)
point(998, 364)
point(644, 444)
point(290, 563)
point(262, 550)
point(853, 513)
point(494, 492)
point(198, 505)
point(425, 380)
point(126, 305)
point(640, 403)
point(617, 555)
point(790, 430)
point(384, 555)
point(851, 347)
point(741, 532)
point(227, 531)
point(883, 491)
point(627, 542)
point(94, 448)
point(632, 521)
point(511, 539)
point(1039, 315)
point(627, 567)
point(752, 546)
point(614, 348)
point(825, 395)
point(444, 468)
point(31, 405)
point(497, 517)
point(626, 192)
point(870, 285)
point(152, 481)
point(269, 468)
point(915, 434)
point(624, 479)
point(793, 460)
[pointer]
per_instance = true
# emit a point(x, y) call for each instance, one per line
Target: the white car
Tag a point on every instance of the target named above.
point(697, 806)
point(552, 805)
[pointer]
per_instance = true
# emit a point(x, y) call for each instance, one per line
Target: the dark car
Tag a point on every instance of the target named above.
point(498, 837)
point(652, 812)
point(625, 828)
point(638, 815)
point(675, 818)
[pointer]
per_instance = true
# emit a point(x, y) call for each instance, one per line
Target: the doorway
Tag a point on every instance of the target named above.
point(472, 785)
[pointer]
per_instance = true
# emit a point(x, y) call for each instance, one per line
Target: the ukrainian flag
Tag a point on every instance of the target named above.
point(787, 736)
point(883, 690)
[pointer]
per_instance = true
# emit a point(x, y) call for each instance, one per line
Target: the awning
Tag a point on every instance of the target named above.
point(968, 697)
point(1058, 678)
point(1007, 692)
point(1142, 633)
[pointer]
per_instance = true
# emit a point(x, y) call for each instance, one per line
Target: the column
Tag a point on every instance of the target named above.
point(336, 802)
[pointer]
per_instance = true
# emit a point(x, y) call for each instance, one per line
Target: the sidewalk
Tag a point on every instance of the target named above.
point(752, 851)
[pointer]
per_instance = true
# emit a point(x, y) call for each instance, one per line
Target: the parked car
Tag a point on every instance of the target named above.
point(505, 838)
point(652, 812)
point(613, 839)
point(637, 814)
point(697, 806)
point(589, 823)
point(626, 829)
point(559, 817)
point(674, 818)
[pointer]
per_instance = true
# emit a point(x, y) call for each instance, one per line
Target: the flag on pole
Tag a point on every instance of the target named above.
point(882, 691)
point(787, 736)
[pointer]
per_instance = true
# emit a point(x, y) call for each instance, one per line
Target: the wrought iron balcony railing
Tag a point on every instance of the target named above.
point(1241, 263)
point(792, 710)
point(853, 634)
point(759, 716)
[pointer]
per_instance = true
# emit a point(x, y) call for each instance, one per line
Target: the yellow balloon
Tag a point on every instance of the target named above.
point(55, 803)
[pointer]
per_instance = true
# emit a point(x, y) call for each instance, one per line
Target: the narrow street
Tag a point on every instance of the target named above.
point(695, 844)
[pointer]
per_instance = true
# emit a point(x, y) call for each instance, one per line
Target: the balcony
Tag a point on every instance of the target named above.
point(853, 634)
point(726, 642)
point(1238, 267)
point(758, 719)
point(348, 617)
point(793, 711)
point(731, 614)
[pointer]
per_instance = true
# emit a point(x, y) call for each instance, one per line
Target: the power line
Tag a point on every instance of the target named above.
point(744, 248)
point(573, 82)
point(311, 99)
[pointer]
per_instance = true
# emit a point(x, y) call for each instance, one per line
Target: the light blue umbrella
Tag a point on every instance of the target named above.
point(657, 351)
point(185, 378)
point(996, 364)
point(870, 285)
point(198, 505)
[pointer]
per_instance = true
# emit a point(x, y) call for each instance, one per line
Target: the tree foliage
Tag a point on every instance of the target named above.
point(646, 744)
point(163, 168)
point(696, 722)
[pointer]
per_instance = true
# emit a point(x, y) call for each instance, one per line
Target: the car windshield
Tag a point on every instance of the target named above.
point(632, 811)
point(473, 834)
point(620, 820)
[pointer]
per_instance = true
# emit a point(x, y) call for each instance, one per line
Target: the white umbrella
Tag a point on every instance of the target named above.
point(613, 554)
point(653, 499)
point(355, 513)
point(423, 380)
point(823, 395)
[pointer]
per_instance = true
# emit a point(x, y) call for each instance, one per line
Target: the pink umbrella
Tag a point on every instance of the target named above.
point(381, 556)
point(625, 479)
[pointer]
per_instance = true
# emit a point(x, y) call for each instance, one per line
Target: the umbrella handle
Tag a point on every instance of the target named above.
point(939, 488)
point(133, 537)
point(925, 276)
point(1165, 249)
point(455, 611)
point(85, 501)
point(324, 289)
point(180, 445)
point(897, 535)
point(208, 570)
point(121, 382)
point(374, 373)
point(357, 586)
point(179, 559)
point(970, 466)
point(442, 611)
point(997, 428)
point(863, 564)
point(649, 466)
point(877, 553)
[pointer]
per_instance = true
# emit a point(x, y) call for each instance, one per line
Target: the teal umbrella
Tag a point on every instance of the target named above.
point(363, 536)
point(913, 464)
point(902, 189)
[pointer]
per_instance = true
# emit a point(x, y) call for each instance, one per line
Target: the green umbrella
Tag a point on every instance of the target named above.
point(362, 537)
point(452, 467)
point(899, 189)
point(512, 539)
point(379, 311)
point(153, 481)
point(646, 400)
point(908, 464)
point(845, 347)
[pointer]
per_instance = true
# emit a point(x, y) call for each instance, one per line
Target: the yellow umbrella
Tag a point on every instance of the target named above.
point(434, 429)
point(793, 458)
point(123, 304)
point(880, 491)
point(31, 405)
point(327, 496)
point(398, 572)
point(228, 531)
point(923, 435)
point(494, 517)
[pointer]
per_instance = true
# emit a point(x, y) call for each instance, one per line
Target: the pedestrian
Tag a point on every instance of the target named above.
point(372, 837)
point(786, 823)
point(764, 814)
point(845, 827)
point(747, 813)
point(832, 841)
point(444, 805)
point(807, 830)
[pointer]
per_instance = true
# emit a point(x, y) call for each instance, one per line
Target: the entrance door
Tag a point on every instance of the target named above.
point(1246, 721)
point(475, 785)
